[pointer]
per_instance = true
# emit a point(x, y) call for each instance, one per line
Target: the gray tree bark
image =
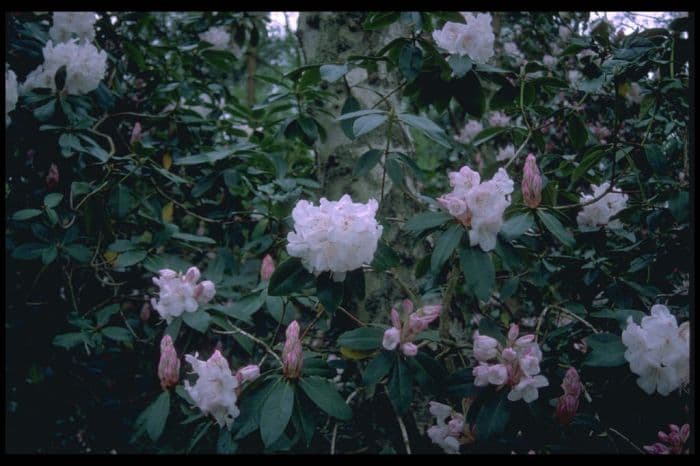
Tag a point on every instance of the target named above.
point(331, 37)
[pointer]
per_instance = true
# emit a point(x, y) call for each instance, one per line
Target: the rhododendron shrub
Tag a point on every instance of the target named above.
point(348, 232)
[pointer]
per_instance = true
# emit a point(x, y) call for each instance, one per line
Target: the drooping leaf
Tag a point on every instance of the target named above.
point(326, 397)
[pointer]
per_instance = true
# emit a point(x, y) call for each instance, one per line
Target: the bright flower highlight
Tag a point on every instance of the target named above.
point(405, 329)
point(180, 293)
point(475, 38)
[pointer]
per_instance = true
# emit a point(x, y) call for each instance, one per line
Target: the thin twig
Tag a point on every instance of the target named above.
point(347, 313)
point(237, 329)
point(335, 427)
point(320, 311)
point(626, 439)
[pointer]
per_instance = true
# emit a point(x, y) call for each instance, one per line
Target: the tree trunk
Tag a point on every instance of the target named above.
point(331, 38)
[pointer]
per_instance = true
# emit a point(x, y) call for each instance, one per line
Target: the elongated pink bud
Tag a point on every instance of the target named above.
point(135, 133)
point(267, 268)
point(204, 292)
point(566, 408)
point(292, 353)
point(395, 319)
point(192, 275)
point(248, 373)
point(52, 178)
point(145, 313)
point(572, 383)
point(513, 332)
point(169, 365)
point(532, 183)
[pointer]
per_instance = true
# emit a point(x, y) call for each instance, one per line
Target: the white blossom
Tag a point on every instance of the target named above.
point(477, 205)
point(499, 119)
point(214, 392)
point(475, 38)
point(505, 153)
point(634, 94)
point(337, 236)
point(526, 389)
point(217, 36)
point(471, 129)
point(180, 293)
point(658, 351)
point(574, 76)
point(597, 214)
point(67, 24)
point(85, 67)
point(511, 49)
point(446, 435)
point(11, 93)
point(549, 61)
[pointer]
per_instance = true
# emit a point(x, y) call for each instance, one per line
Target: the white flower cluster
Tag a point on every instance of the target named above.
point(337, 236)
point(634, 94)
point(517, 365)
point(471, 129)
point(511, 49)
point(66, 24)
point(658, 351)
point(574, 76)
point(85, 67)
point(215, 390)
point(474, 38)
point(499, 119)
point(446, 435)
point(505, 153)
point(598, 214)
point(477, 205)
point(181, 293)
point(217, 36)
point(549, 61)
point(11, 93)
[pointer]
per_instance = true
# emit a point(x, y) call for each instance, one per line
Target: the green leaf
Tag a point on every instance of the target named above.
point(410, 61)
point(460, 64)
point(378, 20)
point(52, 215)
point(428, 127)
point(158, 415)
point(46, 111)
point(350, 106)
point(102, 316)
point(491, 329)
point(288, 277)
point(656, 158)
point(53, 199)
point(117, 334)
point(276, 412)
point(49, 254)
point(332, 73)
point(590, 158)
point(607, 350)
point(325, 396)
point(193, 238)
point(308, 126)
point(425, 221)
point(198, 320)
point(445, 246)
point(225, 444)
point(479, 273)
point(79, 252)
point(314, 365)
point(363, 338)
point(329, 292)
point(378, 368)
point(577, 132)
point(366, 162)
point(493, 416)
point(487, 134)
point(304, 418)
point(367, 123)
point(360, 113)
point(556, 228)
point(401, 386)
point(395, 172)
point(385, 258)
point(129, 258)
point(516, 226)
point(69, 340)
point(26, 214)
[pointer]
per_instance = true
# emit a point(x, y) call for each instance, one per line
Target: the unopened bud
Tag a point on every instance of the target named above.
point(392, 337)
point(135, 134)
point(169, 365)
point(566, 408)
point(532, 183)
point(267, 268)
point(409, 349)
point(248, 373)
point(292, 353)
point(145, 313)
point(52, 178)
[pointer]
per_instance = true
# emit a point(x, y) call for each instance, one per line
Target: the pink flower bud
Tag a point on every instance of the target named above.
point(395, 319)
point(513, 332)
point(169, 365)
point(532, 183)
point(407, 306)
point(657, 449)
point(52, 178)
point(267, 268)
point(248, 373)
point(525, 340)
point(292, 353)
point(409, 349)
point(167, 273)
point(392, 337)
point(192, 275)
point(509, 354)
point(145, 313)
point(566, 408)
point(456, 426)
point(572, 383)
point(135, 133)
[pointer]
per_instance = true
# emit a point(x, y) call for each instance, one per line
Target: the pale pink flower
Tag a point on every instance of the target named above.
point(392, 337)
point(532, 183)
point(267, 268)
